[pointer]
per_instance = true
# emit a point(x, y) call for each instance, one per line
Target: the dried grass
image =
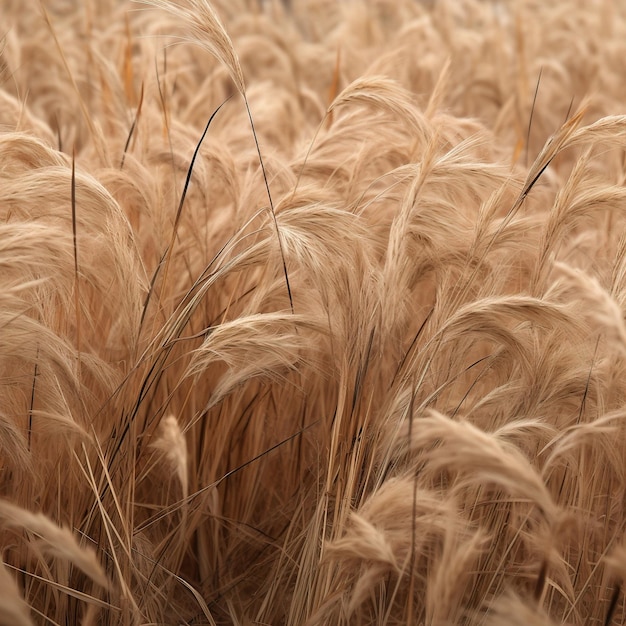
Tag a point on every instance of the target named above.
point(312, 312)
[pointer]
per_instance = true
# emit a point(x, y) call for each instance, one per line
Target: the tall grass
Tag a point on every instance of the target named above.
point(356, 355)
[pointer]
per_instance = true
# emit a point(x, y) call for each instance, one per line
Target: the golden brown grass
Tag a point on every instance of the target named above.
point(357, 355)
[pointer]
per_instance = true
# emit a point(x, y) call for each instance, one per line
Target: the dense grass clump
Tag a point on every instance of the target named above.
point(312, 312)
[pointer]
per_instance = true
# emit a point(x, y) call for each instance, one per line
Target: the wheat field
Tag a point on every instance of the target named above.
point(312, 312)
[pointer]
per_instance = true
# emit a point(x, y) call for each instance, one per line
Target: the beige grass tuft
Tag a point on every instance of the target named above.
point(312, 312)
